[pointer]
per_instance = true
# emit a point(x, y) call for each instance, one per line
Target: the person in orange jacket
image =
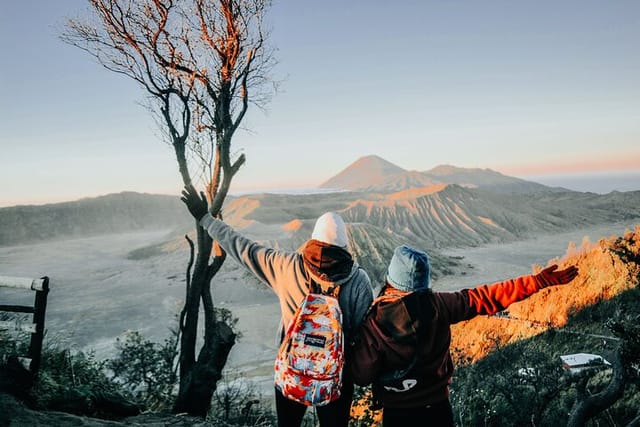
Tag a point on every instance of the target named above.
point(403, 348)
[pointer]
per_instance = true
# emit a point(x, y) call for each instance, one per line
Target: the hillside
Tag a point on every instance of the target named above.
point(113, 213)
point(607, 269)
point(453, 216)
point(439, 216)
point(434, 218)
point(286, 222)
point(518, 371)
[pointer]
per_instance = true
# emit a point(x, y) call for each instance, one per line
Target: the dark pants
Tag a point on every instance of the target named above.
point(334, 414)
point(436, 415)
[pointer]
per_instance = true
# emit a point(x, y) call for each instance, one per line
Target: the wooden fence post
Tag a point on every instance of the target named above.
point(39, 308)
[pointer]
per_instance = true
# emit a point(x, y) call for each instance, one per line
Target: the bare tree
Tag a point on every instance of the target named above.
point(201, 63)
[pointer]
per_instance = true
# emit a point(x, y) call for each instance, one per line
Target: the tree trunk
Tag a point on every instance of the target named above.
point(587, 407)
point(191, 313)
point(197, 388)
point(199, 377)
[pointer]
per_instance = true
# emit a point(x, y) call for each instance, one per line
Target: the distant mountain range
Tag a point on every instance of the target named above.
point(444, 207)
point(113, 213)
point(373, 173)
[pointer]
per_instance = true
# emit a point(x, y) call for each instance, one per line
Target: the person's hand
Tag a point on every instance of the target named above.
point(549, 276)
point(197, 204)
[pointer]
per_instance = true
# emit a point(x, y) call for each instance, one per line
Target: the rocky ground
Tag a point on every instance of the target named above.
point(15, 414)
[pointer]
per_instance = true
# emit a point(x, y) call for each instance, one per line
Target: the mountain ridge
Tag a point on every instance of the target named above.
point(434, 218)
point(112, 213)
point(373, 173)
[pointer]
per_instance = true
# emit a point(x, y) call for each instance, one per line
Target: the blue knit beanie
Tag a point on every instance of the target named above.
point(409, 269)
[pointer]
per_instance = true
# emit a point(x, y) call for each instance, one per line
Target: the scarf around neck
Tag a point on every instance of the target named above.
point(326, 262)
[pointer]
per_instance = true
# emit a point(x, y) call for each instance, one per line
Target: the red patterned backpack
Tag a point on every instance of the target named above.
point(310, 360)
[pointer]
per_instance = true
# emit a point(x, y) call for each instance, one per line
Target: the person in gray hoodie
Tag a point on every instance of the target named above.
point(323, 259)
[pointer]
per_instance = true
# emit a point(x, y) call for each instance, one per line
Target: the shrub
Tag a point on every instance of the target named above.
point(145, 369)
point(236, 403)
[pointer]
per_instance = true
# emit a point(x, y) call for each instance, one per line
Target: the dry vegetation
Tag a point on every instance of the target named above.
point(607, 268)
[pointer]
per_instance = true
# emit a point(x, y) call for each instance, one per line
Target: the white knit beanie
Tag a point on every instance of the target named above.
point(330, 229)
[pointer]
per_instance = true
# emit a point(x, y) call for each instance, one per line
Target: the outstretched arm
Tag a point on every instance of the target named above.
point(490, 299)
point(265, 263)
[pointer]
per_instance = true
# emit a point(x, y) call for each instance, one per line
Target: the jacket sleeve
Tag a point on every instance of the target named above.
point(490, 299)
point(462, 305)
point(264, 262)
point(365, 359)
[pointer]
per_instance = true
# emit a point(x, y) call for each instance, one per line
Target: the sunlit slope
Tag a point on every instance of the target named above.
point(607, 268)
point(443, 217)
point(450, 215)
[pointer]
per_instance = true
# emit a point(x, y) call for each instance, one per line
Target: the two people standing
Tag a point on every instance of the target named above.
point(399, 342)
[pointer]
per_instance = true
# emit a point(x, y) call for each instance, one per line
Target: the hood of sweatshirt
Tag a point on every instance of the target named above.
point(400, 318)
point(328, 264)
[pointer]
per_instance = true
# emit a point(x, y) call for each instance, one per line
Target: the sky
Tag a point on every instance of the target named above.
point(542, 90)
